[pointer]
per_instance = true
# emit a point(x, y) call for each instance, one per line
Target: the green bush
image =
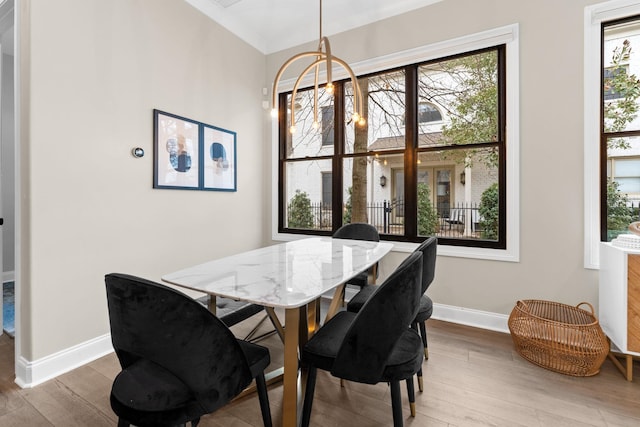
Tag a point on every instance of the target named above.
point(346, 215)
point(619, 215)
point(300, 214)
point(427, 215)
point(490, 212)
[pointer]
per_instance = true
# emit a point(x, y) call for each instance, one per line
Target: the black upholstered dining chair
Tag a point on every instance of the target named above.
point(179, 361)
point(374, 345)
point(358, 231)
point(428, 248)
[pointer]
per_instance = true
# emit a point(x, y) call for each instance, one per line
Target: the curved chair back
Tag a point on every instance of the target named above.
point(429, 250)
point(358, 231)
point(378, 326)
point(154, 322)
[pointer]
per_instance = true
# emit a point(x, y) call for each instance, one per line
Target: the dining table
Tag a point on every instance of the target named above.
point(292, 276)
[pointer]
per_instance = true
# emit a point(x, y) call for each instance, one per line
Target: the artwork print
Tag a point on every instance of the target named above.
point(219, 159)
point(191, 155)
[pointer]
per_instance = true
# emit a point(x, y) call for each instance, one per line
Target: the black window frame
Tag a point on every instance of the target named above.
point(605, 136)
point(410, 152)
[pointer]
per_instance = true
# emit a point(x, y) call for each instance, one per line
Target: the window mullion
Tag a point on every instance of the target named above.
point(339, 142)
point(282, 135)
point(411, 145)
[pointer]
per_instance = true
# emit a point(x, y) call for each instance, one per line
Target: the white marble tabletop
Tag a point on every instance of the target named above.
point(285, 275)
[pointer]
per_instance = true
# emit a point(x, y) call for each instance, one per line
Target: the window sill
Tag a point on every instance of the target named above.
point(503, 255)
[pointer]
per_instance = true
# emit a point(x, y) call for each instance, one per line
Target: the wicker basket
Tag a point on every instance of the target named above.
point(559, 337)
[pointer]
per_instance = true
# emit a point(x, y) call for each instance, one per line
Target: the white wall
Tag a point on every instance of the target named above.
point(92, 72)
point(551, 145)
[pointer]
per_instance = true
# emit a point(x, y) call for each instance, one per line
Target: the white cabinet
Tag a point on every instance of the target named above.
point(619, 302)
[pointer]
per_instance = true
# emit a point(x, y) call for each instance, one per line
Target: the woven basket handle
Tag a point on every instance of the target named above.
point(590, 307)
point(522, 305)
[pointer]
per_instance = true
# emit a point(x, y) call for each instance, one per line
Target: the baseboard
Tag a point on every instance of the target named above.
point(30, 374)
point(470, 317)
point(463, 316)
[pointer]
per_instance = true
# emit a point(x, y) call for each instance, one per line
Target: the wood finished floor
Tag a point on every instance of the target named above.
point(472, 378)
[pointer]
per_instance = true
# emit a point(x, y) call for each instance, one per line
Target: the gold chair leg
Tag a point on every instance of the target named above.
point(420, 384)
point(412, 406)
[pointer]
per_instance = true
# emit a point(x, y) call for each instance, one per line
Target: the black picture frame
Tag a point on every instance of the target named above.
point(191, 155)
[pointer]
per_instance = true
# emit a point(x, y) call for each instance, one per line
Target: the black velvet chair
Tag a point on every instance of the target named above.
point(358, 231)
point(428, 248)
point(178, 360)
point(374, 345)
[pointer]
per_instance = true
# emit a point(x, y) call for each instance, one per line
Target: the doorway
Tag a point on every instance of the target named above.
point(7, 166)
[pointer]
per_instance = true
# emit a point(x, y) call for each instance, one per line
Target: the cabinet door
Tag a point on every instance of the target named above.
point(633, 303)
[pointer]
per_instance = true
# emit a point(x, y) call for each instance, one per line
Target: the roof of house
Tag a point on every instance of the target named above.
point(431, 139)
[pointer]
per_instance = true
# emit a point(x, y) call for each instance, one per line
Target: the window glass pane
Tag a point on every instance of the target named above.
point(623, 184)
point(627, 167)
point(373, 192)
point(304, 191)
point(384, 108)
point(310, 140)
point(629, 185)
point(465, 90)
point(457, 198)
point(621, 90)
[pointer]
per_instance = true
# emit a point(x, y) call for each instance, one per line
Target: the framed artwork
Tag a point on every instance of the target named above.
point(219, 159)
point(190, 155)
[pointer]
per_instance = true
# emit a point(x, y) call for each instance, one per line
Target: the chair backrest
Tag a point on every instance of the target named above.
point(358, 231)
point(429, 250)
point(380, 323)
point(154, 322)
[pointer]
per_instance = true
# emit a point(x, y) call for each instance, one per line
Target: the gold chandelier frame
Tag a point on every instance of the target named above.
point(322, 56)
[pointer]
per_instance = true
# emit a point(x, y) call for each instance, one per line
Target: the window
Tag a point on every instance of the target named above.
point(619, 127)
point(425, 197)
point(326, 190)
point(327, 125)
point(427, 112)
point(610, 76)
point(368, 164)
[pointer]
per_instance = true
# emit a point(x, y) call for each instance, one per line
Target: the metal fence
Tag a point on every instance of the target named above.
point(459, 220)
point(462, 220)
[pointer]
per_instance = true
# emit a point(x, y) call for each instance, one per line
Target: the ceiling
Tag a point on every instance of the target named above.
point(274, 25)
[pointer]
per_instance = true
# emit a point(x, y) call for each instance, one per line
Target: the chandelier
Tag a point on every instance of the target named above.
point(322, 57)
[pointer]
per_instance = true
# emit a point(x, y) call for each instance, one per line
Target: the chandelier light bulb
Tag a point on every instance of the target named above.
point(274, 113)
point(315, 125)
point(292, 130)
point(362, 121)
point(329, 88)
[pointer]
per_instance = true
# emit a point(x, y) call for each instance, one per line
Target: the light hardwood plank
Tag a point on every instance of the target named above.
point(472, 378)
